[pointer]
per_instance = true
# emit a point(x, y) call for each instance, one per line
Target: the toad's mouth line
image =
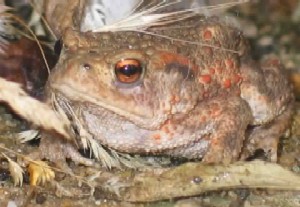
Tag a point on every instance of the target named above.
point(147, 122)
point(145, 147)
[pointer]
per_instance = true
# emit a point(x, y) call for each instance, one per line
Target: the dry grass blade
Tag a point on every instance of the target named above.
point(40, 173)
point(195, 178)
point(4, 21)
point(15, 170)
point(108, 157)
point(31, 109)
point(100, 153)
point(191, 42)
point(37, 7)
point(86, 138)
point(151, 17)
point(27, 135)
point(15, 18)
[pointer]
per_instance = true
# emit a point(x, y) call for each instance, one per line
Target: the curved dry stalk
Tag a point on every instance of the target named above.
point(190, 42)
point(19, 20)
point(43, 18)
point(108, 157)
point(3, 27)
point(38, 163)
point(31, 109)
point(15, 170)
point(151, 17)
point(195, 178)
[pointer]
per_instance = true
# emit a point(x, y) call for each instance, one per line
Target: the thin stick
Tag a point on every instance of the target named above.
point(32, 33)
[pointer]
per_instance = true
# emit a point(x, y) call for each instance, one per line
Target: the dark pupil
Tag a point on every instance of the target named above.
point(129, 70)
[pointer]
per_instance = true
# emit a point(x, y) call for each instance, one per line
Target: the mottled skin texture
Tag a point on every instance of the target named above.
point(195, 98)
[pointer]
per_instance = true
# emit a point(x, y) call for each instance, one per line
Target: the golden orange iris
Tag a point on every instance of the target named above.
point(128, 70)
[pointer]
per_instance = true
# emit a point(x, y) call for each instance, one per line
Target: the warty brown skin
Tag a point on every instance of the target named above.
point(195, 98)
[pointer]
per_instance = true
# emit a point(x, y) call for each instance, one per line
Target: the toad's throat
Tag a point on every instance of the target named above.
point(120, 134)
point(124, 135)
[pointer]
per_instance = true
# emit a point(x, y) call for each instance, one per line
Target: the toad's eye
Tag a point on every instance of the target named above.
point(128, 70)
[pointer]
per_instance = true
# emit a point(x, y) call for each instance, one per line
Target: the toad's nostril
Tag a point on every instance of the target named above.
point(87, 66)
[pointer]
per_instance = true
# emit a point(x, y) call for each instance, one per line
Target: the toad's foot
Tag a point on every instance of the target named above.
point(57, 150)
point(266, 137)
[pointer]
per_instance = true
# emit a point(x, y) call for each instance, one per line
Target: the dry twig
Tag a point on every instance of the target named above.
point(31, 109)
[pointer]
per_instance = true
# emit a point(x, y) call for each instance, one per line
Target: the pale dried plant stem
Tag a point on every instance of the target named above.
point(87, 139)
point(43, 19)
point(148, 18)
point(3, 42)
point(15, 170)
point(28, 159)
point(31, 109)
point(189, 42)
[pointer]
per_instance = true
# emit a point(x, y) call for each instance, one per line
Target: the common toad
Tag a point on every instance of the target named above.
point(188, 91)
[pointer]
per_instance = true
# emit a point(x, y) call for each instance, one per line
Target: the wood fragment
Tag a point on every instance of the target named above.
point(195, 178)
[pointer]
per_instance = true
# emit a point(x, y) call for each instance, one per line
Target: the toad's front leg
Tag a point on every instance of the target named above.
point(231, 122)
point(57, 149)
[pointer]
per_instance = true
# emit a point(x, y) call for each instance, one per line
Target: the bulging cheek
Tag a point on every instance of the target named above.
point(167, 94)
point(150, 97)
